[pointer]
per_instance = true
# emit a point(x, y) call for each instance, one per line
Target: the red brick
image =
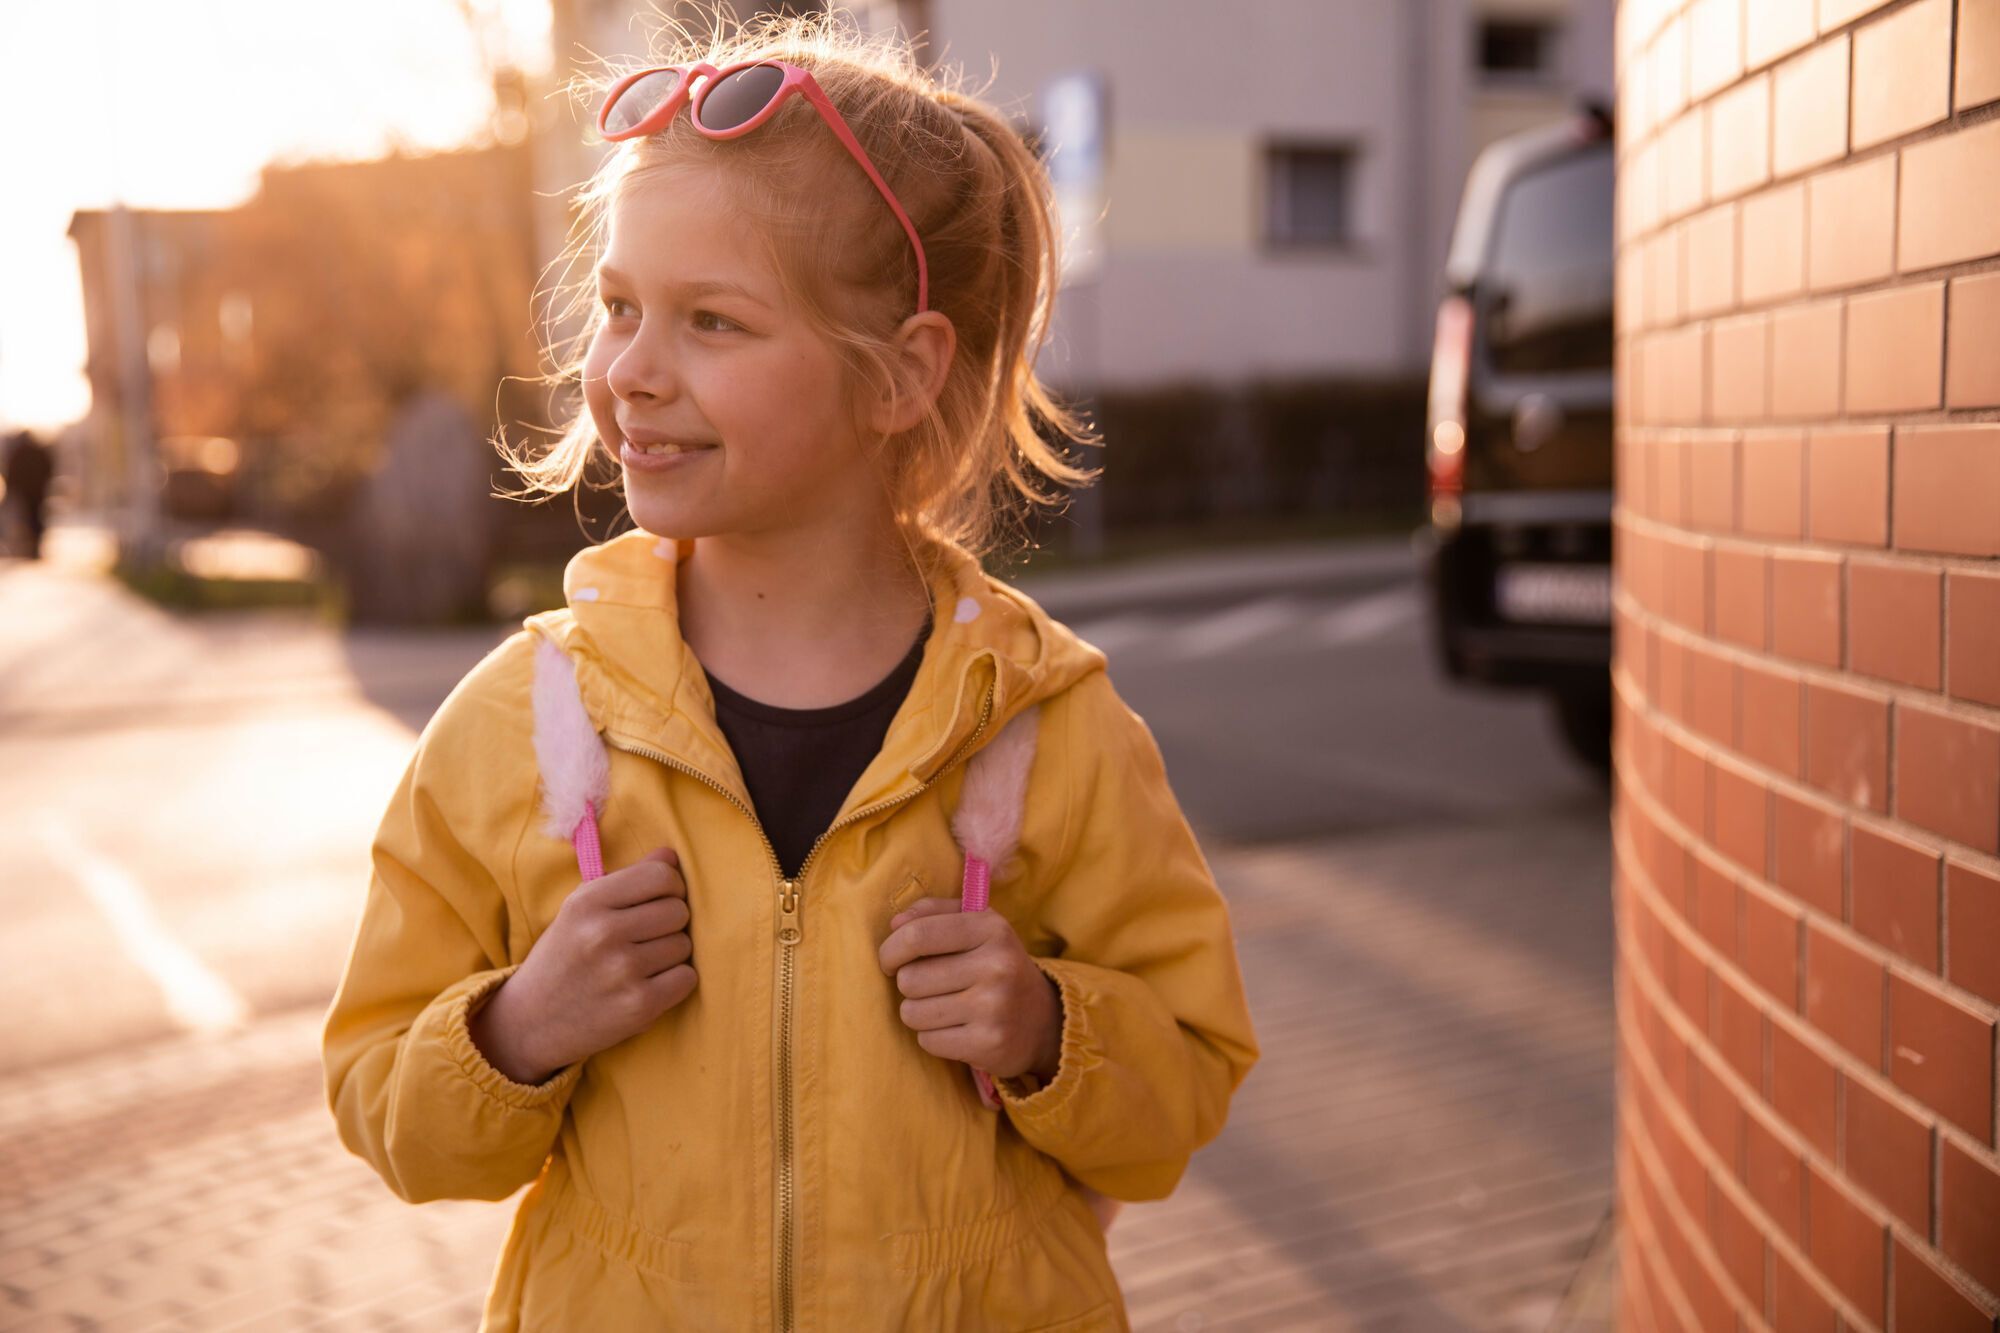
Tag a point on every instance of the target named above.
point(1806, 361)
point(1888, 1153)
point(1805, 607)
point(1847, 486)
point(1852, 229)
point(1687, 584)
point(1742, 596)
point(1739, 381)
point(1942, 1054)
point(1847, 1244)
point(1902, 72)
point(1948, 775)
point(1847, 744)
point(1926, 1299)
point(1739, 1244)
point(1736, 1027)
point(1711, 261)
point(1895, 350)
point(1770, 720)
point(1684, 169)
point(1895, 622)
point(1670, 485)
point(1969, 1214)
point(1804, 1089)
point(1795, 1301)
point(1945, 481)
point(1948, 200)
point(1741, 819)
point(1972, 915)
point(1772, 28)
point(1809, 112)
point(1978, 53)
point(1712, 695)
point(1671, 695)
point(1972, 666)
point(1972, 369)
point(1844, 994)
point(1809, 852)
point(1773, 489)
point(1895, 894)
point(1739, 138)
point(1688, 794)
point(1715, 45)
point(1717, 1113)
point(1774, 244)
point(1714, 910)
point(1689, 982)
point(1712, 484)
point(1771, 947)
point(1775, 1176)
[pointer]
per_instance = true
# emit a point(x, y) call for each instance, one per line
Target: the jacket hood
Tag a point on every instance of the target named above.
point(993, 653)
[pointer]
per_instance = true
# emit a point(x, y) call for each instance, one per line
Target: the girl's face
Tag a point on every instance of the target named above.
point(697, 346)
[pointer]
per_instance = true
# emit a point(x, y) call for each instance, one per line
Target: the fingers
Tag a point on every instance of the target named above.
point(937, 931)
point(651, 919)
point(652, 957)
point(654, 875)
point(924, 907)
point(672, 986)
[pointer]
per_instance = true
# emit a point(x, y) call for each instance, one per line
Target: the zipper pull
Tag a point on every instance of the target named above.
point(790, 927)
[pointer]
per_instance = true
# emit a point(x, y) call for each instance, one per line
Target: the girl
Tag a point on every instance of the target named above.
point(774, 1070)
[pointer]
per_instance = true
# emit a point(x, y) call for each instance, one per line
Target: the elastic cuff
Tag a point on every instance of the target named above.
point(1026, 1096)
point(472, 1062)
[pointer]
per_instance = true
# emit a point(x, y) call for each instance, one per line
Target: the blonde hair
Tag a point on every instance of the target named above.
point(981, 202)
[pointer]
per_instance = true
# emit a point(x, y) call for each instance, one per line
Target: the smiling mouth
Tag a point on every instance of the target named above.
point(666, 448)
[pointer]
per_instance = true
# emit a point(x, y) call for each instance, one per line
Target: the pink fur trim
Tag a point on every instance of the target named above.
point(988, 821)
point(576, 773)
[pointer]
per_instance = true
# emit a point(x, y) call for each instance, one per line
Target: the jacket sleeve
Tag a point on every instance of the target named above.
point(410, 1092)
point(1156, 1032)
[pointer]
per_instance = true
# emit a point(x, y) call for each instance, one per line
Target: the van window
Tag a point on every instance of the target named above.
point(1548, 281)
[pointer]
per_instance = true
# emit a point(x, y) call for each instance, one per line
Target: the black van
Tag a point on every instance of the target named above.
point(1519, 446)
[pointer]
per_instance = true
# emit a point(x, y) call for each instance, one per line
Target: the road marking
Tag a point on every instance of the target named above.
point(197, 999)
point(1235, 627)
point(1369, 618)
point(1109, 635)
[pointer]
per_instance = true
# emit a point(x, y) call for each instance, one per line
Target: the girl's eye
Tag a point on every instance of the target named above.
point(702, 316)
point(611, 304)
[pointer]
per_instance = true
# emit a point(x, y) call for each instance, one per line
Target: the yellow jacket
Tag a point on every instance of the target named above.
point(778, 1151)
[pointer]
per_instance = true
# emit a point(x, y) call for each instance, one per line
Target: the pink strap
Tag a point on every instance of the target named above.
point(589, 855)
point(978, 885)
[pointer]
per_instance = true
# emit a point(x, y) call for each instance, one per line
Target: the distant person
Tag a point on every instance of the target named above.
point(883, 1105)
point(29, 469)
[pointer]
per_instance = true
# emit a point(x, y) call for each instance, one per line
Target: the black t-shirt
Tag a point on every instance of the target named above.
point(800, 763)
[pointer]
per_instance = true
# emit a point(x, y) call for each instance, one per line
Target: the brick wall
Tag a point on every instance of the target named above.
point(1808, 663)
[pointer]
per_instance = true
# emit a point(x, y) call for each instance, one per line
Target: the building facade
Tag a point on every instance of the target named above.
point(1807, 822)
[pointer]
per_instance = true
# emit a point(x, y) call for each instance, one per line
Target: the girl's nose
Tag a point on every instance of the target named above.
point(643, 370)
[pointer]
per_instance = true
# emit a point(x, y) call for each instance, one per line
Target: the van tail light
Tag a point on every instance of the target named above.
point(1451, 367)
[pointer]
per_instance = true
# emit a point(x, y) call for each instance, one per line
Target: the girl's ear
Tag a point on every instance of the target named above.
point(922, 361)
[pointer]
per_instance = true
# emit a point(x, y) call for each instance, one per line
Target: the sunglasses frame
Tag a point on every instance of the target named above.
point(797, 82)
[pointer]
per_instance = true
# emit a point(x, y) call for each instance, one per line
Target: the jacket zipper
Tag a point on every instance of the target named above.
point(791, 929)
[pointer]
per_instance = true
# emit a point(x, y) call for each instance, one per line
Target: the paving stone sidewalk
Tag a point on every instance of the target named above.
point(1426, 1146)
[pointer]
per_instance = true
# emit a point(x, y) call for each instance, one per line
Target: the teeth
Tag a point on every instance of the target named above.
point(671, 448)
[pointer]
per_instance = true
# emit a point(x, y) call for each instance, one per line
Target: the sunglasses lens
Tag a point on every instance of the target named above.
point(740, 96)
point(640, 100)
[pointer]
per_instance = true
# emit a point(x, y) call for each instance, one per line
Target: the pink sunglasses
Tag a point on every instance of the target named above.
point(730, 103)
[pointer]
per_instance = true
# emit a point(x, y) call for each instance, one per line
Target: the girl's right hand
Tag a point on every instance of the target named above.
point(614, 959)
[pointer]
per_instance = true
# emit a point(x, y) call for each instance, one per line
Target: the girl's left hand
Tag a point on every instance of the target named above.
point(971, 992)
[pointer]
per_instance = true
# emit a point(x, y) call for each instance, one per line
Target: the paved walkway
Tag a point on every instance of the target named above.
point(1425, 1147)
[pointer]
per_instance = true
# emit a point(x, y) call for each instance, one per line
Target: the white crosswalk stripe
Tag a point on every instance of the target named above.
point(1233, 628)
point(1260, 624)
point(1369, 618)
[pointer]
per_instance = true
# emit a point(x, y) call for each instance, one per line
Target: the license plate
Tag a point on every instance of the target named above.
point(1554, 594)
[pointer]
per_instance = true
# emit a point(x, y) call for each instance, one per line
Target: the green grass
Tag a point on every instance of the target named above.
point(170, 586)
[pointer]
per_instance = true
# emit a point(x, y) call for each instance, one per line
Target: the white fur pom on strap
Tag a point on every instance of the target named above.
point(988, 821)
point(574, 767)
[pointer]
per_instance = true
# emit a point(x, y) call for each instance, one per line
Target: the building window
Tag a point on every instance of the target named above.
point(1309, 195)
point(1517, 50)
